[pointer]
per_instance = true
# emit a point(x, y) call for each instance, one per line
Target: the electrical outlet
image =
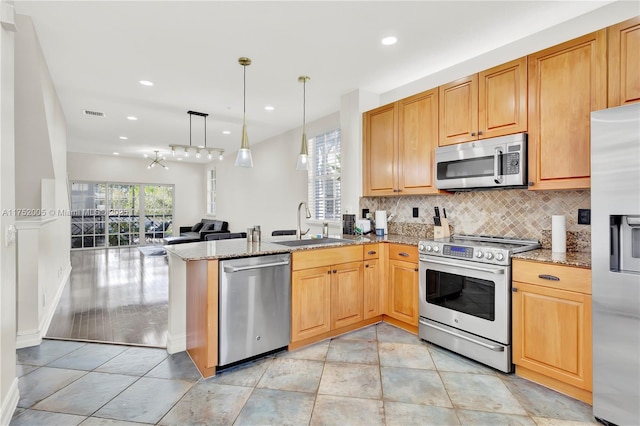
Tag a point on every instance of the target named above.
point(365, 212)
point(415, 212)
point(584, 216)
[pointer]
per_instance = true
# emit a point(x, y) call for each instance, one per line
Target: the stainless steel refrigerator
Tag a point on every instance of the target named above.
point(615, 256)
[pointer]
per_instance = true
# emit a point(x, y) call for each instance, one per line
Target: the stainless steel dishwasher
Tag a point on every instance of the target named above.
point(254, 306)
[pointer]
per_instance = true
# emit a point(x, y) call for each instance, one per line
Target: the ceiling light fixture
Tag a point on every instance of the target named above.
point(226, 132)
point(132, 118)
point(124, 137)
point(303, 158)
point(158, 160)
point(146, 82)
point(243, 159)
point(388, 41)
point(187, 148)
point(116, 153)
point(269, 107)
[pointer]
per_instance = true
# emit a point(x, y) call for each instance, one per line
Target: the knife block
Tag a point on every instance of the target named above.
point(441, 231)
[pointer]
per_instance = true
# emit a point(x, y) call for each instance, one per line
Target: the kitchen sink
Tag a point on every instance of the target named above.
point(310, 242)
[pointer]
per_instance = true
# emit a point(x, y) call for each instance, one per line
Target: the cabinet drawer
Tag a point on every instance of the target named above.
point(555, 276)
point(403, 252)
point(371, 251)
point(324, 257)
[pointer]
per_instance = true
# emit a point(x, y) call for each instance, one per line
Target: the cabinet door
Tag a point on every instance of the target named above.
point(459, 111)
point(624, 57)
point(372, 289)
point(380, 151)
point(346, 294)
point(417, 139)
point(502, 99)
point(310, 303)
point(552, 333)
point(403, 291)
point(566, 83)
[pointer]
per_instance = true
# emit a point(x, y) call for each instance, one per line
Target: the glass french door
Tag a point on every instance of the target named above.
point(119, 214)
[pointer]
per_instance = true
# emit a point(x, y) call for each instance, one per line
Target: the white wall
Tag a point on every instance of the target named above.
point(40, 183)
point(8, 383)
point(188, 178)
point(269, 193)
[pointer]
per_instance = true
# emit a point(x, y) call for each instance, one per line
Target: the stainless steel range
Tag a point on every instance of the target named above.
point(465, 295)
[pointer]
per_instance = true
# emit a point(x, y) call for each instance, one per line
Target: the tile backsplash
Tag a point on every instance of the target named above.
point(511, 213)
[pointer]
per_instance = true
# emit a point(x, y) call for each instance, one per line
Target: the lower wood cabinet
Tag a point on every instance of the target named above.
point(310, 303)
point(202, 314)
point(402, 285)
point(552, 326)
point(374, 279)
point(326, 297)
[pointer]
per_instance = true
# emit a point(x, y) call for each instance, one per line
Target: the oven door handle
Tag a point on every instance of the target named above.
point(495, 348)
point(475, 268)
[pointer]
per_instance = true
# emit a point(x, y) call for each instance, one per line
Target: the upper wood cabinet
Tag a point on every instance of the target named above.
point(399, 143)
point(624, 63)
point(566, 83)
point(489, 104)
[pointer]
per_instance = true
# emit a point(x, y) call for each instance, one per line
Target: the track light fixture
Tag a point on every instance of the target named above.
point(188, 148)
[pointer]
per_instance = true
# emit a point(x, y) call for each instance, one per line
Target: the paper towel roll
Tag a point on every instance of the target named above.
point(558, 234)
point(381, 220)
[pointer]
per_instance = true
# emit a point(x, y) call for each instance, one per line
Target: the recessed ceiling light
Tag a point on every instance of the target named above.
point(145, 155)
point(132, 118)
point(179, 158)
point(146, 82)
point(269, 107)
point(226, 132)
point(123, 137)
point(116, 153)
point(388, 41)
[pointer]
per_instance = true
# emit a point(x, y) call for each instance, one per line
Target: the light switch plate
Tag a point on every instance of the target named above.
point(584, 216)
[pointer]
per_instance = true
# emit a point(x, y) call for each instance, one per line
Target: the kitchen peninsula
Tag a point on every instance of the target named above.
point(337, 286)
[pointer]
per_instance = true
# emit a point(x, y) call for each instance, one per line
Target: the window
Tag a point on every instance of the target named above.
point(211, 192)
point(324, 176)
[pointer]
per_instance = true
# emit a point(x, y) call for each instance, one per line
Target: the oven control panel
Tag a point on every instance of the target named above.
point(457, 251)
point(495, 256)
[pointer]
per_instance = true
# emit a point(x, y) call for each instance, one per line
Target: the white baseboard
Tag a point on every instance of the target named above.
point(45, 322)
point(34, 337)
point(10, 403)
point(176, 344)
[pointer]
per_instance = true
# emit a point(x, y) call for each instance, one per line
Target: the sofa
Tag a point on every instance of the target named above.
point(197, 232)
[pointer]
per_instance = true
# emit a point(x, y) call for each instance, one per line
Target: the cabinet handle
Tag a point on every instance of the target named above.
point(473, 133)
point(548, 277)
point(514, 289)
point(530, 183)
point(329, 272)
point(403, 254)
point(416, 269)
point(371, 252)
point(335, 271)
point(366, 266)
point(479, 132)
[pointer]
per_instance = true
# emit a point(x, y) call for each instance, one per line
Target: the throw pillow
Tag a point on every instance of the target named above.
point(208, 227)
point(196, 227)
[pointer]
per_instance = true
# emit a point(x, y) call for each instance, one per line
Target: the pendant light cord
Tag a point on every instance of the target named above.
point(304, 104)
point(190, 117)
point(244, 91)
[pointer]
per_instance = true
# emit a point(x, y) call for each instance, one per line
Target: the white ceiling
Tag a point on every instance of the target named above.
point(98, 51)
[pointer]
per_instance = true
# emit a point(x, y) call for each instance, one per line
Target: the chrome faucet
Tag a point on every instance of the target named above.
point(299, 232)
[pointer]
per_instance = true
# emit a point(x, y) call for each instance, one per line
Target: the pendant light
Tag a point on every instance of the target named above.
point(303, 158)
point(243, 158)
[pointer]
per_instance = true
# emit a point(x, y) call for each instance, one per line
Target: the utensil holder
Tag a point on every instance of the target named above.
point(442, 231)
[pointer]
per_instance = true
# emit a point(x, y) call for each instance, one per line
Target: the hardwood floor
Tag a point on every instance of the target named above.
point(114, 295)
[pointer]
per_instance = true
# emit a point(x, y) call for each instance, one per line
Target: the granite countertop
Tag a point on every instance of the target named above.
point(578, 259)
point(228, 249)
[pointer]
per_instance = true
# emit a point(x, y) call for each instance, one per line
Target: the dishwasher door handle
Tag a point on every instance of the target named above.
point(259, 266)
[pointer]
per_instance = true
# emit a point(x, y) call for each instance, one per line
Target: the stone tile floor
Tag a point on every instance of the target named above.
point(374, 376)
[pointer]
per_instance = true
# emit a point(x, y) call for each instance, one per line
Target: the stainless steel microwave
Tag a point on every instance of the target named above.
point(489, 163)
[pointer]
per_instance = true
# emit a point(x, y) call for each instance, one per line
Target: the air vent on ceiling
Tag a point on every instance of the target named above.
point(93, 113)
